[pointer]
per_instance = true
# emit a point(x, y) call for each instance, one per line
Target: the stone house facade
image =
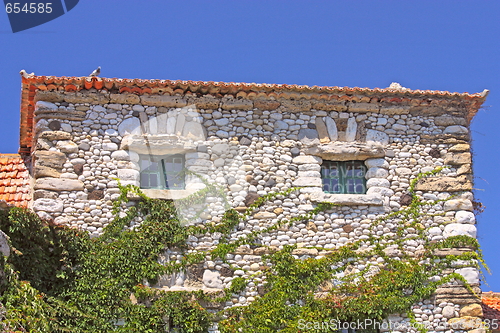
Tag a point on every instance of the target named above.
point(356, 147)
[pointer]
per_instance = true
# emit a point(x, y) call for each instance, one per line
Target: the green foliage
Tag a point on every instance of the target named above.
point(82, 284)
point(44, 253)
point(24, 308)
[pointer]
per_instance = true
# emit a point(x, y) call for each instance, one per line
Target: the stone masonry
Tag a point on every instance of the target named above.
point(253, 140)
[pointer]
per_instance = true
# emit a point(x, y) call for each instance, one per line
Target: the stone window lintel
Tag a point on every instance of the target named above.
point(374, 199)
point(346, 151)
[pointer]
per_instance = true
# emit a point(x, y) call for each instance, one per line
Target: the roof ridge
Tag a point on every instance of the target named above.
point(80, 81)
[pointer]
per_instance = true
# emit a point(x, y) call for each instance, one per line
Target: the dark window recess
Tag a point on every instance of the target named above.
point(162, 172)
point(344, 177)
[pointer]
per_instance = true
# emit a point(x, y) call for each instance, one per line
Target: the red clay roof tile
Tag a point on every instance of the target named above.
point(491, 305)
point(14, 180)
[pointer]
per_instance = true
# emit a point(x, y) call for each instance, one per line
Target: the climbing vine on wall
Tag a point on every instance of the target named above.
point(59, 279)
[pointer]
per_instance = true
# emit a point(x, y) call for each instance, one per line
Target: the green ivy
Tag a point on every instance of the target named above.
point(82, 284)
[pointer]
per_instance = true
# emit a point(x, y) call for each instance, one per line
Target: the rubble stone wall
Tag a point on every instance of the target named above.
point(84, 141)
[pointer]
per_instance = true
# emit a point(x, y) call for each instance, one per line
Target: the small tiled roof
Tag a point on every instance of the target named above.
point(491, 305)
point(14, 181)
point(394, 94)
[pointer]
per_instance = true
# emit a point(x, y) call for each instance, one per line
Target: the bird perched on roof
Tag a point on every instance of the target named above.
point(96, 72)
point(25, 74)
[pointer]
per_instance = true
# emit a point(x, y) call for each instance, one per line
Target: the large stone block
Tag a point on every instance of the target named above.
point(99, 98)
point(124, 99)
point(204, 102)
point(465, 323)
point(309, 167)
point(67, 146)
point(163, 100)
point(427, 111)
point(444, 184)
point(458, 158)
point(55, 135)
point(266, 104)
point(456, 129)
point(264, 215)
point(459, 147)
point(58, 184)
point(49, 96)
point(377, 182)
point(46, 106)
point(109, 146)
point(473, 310)
point(322, 130)
point(161, 121)
point(51, 159)
point(464, 169)
point(449, 120)
point(45, 194)
point(332, 105)
point(343, 151)
point(395, 109)
point(448, 311)
point(61, 113)
point(352, 127)
point(377, 173)
point(237, 104)
point(331, 126)
point(156, 145)
point(153, 125)
point(170, 126)
point(295, 105)
point(449, 251)
point(443, 138)
point(456, 229)
point(179, 123)
point(43, 171)
point(458, 294)
point(458, 204)
point(470, 274)
point(363, 107)
point(377, 163)
point(220, 148)
point(48, 205)
point(463, 216)
point(307, 160)
point(307, 181)
point(382, 190)
point(305, 252)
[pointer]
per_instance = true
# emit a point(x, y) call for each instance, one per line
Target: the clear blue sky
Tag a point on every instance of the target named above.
point(438, 45)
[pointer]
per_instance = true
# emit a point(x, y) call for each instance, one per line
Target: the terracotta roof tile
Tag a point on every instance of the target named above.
point(491, 305)
point(14, 180)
